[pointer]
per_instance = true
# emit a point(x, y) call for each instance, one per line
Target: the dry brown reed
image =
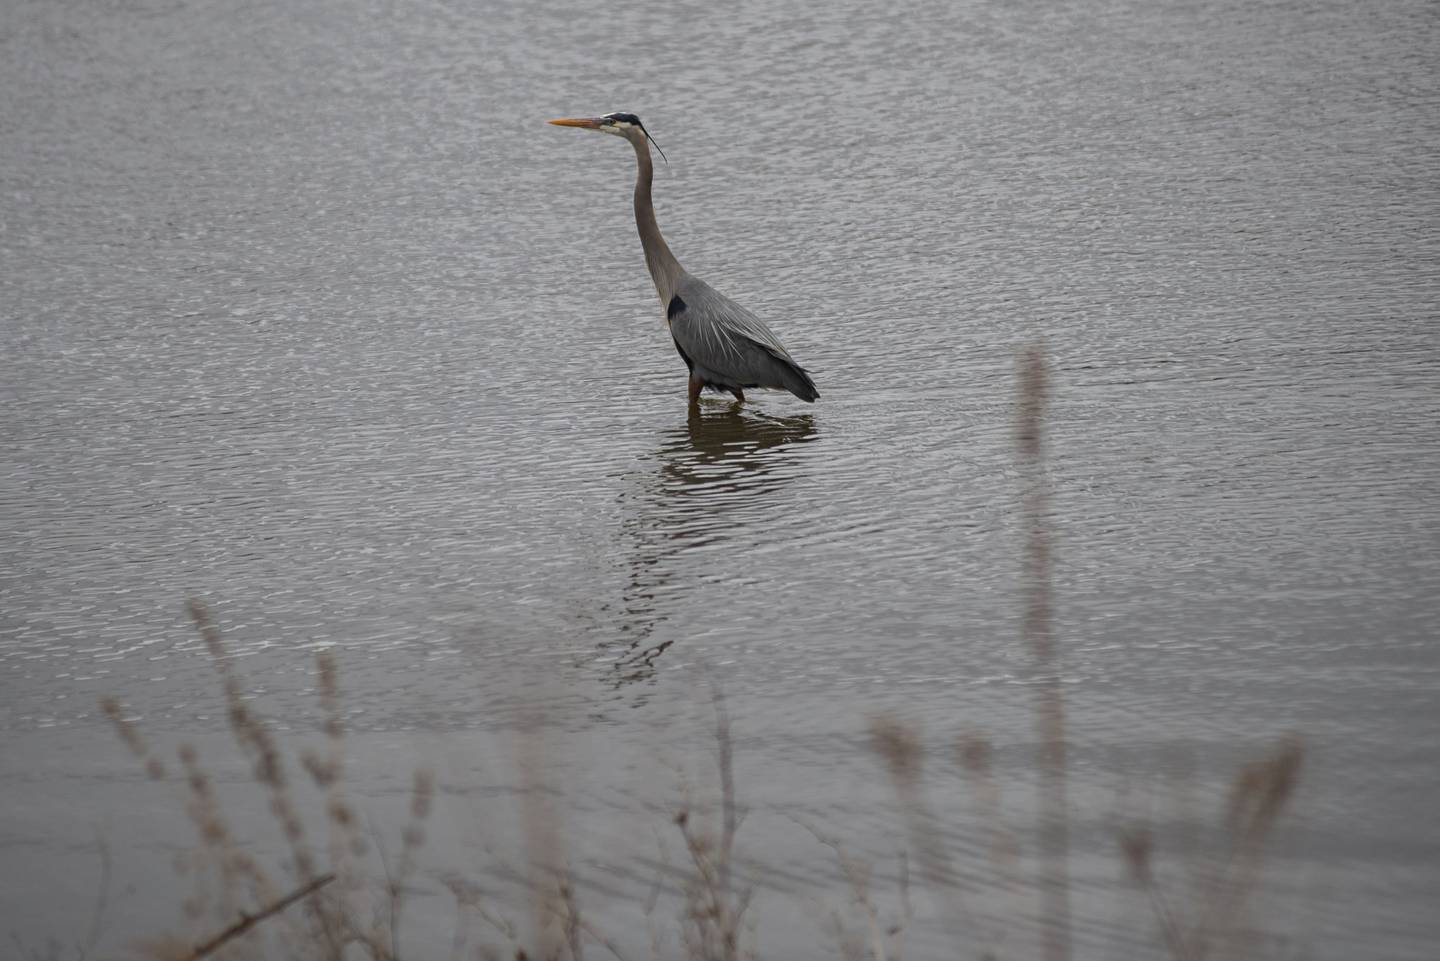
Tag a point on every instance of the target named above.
point(555, 928)
point(223, 878)
point(883, 940)
point(383, 937)
point(338, 925)
point(1213, 916)
point(247, 921)
point(130, 735)
point(973, 754)
point(900, 749)
point(254, 737)
point(1054, 826)
point(713, 918)
point(217, 849)
point(218, 846)
point(345, 844)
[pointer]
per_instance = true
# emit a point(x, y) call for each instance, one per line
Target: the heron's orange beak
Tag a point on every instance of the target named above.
point(587, 122)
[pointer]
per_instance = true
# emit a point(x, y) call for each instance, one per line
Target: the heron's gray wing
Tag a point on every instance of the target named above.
point(730, 344)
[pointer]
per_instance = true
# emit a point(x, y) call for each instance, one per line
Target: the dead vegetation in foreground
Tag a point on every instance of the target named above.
point(330, 903)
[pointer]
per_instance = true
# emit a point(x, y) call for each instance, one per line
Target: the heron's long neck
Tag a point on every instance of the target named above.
point(664, 268)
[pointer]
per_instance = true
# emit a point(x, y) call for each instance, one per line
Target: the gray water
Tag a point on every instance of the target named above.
point(307, 313)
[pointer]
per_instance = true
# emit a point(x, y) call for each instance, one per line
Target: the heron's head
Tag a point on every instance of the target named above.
point(625, 125)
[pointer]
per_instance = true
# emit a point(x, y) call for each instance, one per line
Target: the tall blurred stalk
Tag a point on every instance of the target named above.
point(1054, 882)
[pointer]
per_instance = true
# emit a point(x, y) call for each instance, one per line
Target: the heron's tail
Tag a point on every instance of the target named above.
point(798, 382)
point(791, 375)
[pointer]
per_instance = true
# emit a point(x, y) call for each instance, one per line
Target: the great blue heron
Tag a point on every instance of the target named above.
point(725, 346)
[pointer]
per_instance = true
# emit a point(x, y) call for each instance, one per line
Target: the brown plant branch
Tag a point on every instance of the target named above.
point(248, 921)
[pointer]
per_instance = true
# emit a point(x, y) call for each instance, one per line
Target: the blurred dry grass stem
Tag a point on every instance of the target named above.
point(255, 738)
point(885, 940)
point(899, 747)
point(974, 755)
point(1054, 827)
point(224, 879)
point(130, 735)
point(714, 911)
point(1215, 916)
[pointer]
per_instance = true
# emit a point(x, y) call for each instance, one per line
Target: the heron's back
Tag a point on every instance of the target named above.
point(730, 345)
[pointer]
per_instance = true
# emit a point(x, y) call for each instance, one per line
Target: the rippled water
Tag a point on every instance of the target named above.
point(307, 312)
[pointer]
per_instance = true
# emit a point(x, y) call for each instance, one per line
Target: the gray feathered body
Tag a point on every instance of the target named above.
point(727, 346)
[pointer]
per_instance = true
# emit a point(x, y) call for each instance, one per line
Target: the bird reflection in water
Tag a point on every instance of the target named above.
point(714, 486)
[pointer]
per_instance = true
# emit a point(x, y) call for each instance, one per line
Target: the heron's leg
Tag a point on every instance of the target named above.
point(739, 395)
point(695, 384)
